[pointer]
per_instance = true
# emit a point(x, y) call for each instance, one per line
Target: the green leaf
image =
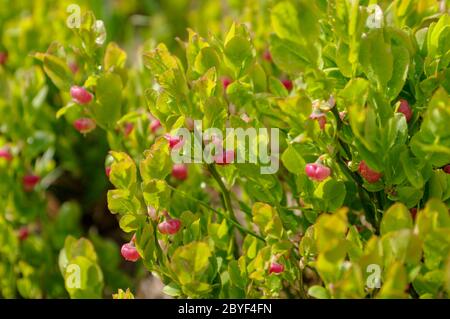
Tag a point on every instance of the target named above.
point(65, 109)
point(157, 162)
point(58, 71)
point(130, 222)
point(78, 264)
point(318, 292)
point(331, 193)
point(215, 113)
point(114, 61)
point(432, 142)
point(277, 88)
point(172, 290)
point(156, 194)
point(435, 215)
point(436, 248)
point(355, 92)
point(429, 283)
point(123, 171)
point(121, 201)
point(285, 23)
point(189, 262)
point(237, 276)
point(376, 57)
point(412, 171)
point(292, 57)
point(146, 243)
point(239, 52)
point(397, 217)
point(292, 160)
point(114, 58)
point(267, 219)
point(297, 23)
point(400, 70)
point(410, 196)
point(108, 107)
point(207, 58)
point(395, 283)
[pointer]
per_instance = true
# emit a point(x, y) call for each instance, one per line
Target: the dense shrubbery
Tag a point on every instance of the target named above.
point(358, 208)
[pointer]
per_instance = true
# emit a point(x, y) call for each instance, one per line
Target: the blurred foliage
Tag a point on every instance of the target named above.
point(284, 61)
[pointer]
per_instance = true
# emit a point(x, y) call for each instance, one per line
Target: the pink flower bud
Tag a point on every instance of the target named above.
point(317, 171)
point(320, 117)
point(267, 56)
point(23, 233)
point(368, 174)
point(128, 129)
point(84, 125)
point(287, 84)
point(413, 212)
point(29, 182)
point(175, 142)
point(245, 118)
point(447, 168)
point(189, 122)
point(155, 126)
point(3, 58)
point(80, 95)
point(226, 81)
point(151, 212)
point(129, 252)
point(6, 154)
point(224, 158)
point(108, 171)
point(276, 268)
point(405, 109)
point(180, 172)
point(169, 227)
point(73, 67)
point(322, 121)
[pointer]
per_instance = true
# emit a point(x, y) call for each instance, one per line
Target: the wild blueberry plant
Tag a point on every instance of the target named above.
point(363, 114)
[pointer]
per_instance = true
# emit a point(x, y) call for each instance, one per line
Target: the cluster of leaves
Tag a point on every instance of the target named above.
point(38, 154)
point(331, 76)
point(354, 265)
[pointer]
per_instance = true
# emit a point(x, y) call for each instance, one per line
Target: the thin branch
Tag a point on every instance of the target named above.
point(236, 224)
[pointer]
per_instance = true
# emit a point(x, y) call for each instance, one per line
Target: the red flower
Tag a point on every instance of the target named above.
point(6, 154)
point(224, 158)
point(276, 268)
point(128, 128)
point(73, 67)
point(107, 171)
point(3, 57)
point(84, 125)
point(180, 172)
point(226, 81)
point(405, 109)
point(447, 168)
point(23, 233)
point(267, 56)
point(129, 252)
point(80, 95)
point(413, 212)
point(368, 174)
point(155, 125)
point(175, 142)
point(29, 182)
point(169, 227)
point(287, 84)
point(317, 171)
